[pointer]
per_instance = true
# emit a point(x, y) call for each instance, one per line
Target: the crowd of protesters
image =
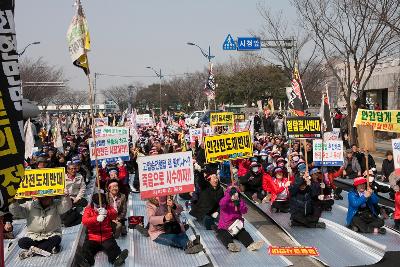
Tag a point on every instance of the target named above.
point(280, 172)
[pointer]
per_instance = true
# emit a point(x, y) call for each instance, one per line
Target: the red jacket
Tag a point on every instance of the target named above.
point(122, 174)
point(397, 206)
point(333, 175)
point(267, 183)
point(243, 167)
point(97, 231)
point(279, 188)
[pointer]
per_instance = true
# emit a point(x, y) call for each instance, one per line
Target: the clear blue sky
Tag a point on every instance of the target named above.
point(128, 35)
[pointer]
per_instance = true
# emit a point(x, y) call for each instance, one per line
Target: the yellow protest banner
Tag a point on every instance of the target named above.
point(381, 120)
point(42, 182)
point(221, 118)
point(231, 146)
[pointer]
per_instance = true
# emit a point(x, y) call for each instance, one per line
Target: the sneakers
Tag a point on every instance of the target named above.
point(39, 251)
point(193, 248)
point(25, 254)
point(56, 249)
point(121, 258)
point(142, 230)
point(135, 190)
point(233, 247)
point(355, 228)
point(382, 231)
point(255, 245)
point(196, 241)
point(320, 225)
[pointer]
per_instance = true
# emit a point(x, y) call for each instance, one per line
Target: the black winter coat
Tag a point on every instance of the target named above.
point(302, 201)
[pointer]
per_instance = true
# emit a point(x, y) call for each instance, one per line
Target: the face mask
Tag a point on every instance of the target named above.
point(255, 169)
point(263, 157)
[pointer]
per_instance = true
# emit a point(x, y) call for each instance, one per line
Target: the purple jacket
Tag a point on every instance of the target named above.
point(228, 212)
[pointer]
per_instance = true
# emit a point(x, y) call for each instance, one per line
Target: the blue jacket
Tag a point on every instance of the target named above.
point(355, 201)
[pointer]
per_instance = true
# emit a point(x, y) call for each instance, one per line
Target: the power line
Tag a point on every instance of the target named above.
point(142, 76)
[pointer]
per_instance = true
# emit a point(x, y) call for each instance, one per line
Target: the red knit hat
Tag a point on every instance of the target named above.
point(359, 180)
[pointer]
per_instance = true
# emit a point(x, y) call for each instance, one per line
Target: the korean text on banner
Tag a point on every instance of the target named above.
point(221, 118)
point(239, 117)
point(232, 146)
point(42, 182)
point(396, 153)
point(110, 148)
point(303, 127)
point(199, 132)
point(144, 119)
point(293, 251)
point(333, 153)
point(12, 126)
point(110, 131)
point(333, 136)
point(166, 174)
point(381, 120)
point(98, 122)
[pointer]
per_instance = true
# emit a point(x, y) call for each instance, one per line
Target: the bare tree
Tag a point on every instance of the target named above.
point(40, 71)
point(74, 99)
point(122, 95)
point(351, 40)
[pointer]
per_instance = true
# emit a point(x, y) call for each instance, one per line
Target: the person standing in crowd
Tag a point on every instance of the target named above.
point(231, 222)
point(76, 188)
point(361, 215)
point(206, 208)
point(257, 123)
point(387, 166)
point(97, 220)
point(351, 166)
point(165, 227)
point(43, 234)
point(118, 201)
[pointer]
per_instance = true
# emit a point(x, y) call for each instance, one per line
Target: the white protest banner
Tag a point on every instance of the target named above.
point(98, 122)
point(166, 174)
point(110, 131)
point(197, 134)
point(110, 148)
point(333, 153)
point(144, 119)
point(396, 153)
point(333, 136)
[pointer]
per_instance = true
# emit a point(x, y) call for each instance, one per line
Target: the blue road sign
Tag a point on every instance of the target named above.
point(248, 43)
point(229, 43)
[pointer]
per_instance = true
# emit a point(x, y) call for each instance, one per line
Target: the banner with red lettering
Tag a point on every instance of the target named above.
point(110, 148)
point(12, 148)
point(166, 174)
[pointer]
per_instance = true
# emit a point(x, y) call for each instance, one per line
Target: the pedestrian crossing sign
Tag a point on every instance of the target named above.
point(229, 43)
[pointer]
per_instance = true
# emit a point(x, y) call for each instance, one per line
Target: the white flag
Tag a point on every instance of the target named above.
point(58, 143)
point(29, 139)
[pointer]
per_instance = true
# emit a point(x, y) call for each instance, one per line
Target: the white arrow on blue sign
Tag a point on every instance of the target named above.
point(248, 43)
point(229, 43)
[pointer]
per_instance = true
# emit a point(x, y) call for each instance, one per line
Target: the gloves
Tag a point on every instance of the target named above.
point(215, 215)
point(322, 185)
point(100, 218)
point(197, 167)
point(308, 181)
point(102, 211)
point(104, 164)
point(120, 162)
point(321, 197)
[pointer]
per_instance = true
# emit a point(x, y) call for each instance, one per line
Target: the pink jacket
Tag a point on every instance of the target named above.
point(155, 215)
point(228, 212)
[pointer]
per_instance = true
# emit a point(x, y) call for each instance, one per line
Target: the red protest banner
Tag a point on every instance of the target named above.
point(293, 251)
point(166, 174)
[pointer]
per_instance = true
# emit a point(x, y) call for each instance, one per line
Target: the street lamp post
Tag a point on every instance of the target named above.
point(23, 51)
point(159, 75)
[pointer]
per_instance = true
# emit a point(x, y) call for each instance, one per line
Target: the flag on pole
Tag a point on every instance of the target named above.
point(58, 143)
point(325, 112)
point(209, 87)
point(78, 39)
point(29, 139)
point(297, 99)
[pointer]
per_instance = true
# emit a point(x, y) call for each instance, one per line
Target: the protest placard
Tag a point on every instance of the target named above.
point(366, 137)
point(110, 131)
point(221, 119)
point(144, 119)
point(42, 182)
point(333, 136)
point(232, 146)
point(381, 120)
point(303, 127)
point(109, 148)
point(166, 174)
point(98, 122)
point(239, 117)
point(198, 133)
point(293, 251)
point(396, 153)
point(332, 153)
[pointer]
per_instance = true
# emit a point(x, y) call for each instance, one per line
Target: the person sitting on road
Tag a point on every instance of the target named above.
point(334, 172)
point(43, 224)
point(303, 209)
point(165, 227)
point(280, 191)
point(381, 210)
point(251, 183)
point(362, 215)
point(231, 222)
point(324, 199)
point(118, 201)
point(351, 166)
point(206, 208)
point(97, 219)
point(75, 186)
